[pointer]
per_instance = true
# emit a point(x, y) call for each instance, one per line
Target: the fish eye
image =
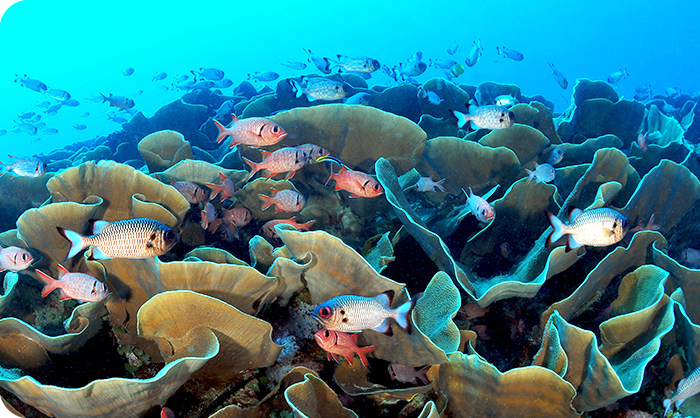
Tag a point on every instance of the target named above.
point(169, 236)
point(326, 333)
point(376, 187)
point(275, 129)
point(24, 257)
point(324, 312)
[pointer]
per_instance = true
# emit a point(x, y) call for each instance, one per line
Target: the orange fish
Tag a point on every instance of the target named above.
point(344, 344)
point(227, 188)
point(238, 216)
point(285, 200)
point(357, 183)
point(166, 413)
point(268, 230)
point(283, 160)
point(254, 132)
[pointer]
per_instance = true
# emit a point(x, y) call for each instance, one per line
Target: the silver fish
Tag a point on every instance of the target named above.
point(359, 98)
point(688, 387)
point(474, 53)
point(129, 71)
point(432, 97)
point(596, 227)
point(159, 76)
point(543, 173)
point(438, 63)
point(213, 74)
point(3, 132)
point(131, 238)
point(323, 64)
point(453, 48)
point(294, 65)
point(223, 84)
point(266, 76)
point(27, 128)
point(617, 76)
point(321, 90)
point(505, 100)
point(80, 127)
point(509, 53)
point(313, 151)
point(411, 68)
point(31, 84)
point(559, 77)
point(357, 64)
point(24, 167)
point(71, 103)
point(224, 109)
point(76, 286)
point(351, 313)
point(121, 102)
point(26, 115)
point(53, 109)
point(485, 117)
point(58, 94)
point(555, 156)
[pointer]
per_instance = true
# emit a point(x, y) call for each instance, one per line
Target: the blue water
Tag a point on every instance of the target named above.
point(82, 47)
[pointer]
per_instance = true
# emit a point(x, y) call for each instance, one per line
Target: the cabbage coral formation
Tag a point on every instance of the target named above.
point(208, 317)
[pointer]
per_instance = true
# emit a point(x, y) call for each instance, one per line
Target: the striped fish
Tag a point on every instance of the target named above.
point(596, 227)
point(254, 132)
point(131, 238)
point(688, 387)
point(283, 160)
point(351, 313)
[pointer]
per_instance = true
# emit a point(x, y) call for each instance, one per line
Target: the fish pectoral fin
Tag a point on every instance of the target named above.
point(607, 233)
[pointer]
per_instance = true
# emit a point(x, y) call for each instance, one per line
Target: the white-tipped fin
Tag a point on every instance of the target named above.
point(385, 298)
point(75, 239)
point(559, 229)
point(98, 255)
point(461, 117)
point(572, 244)
point(574, 213)
point(402, 314)
point(98, 226)
point(384, 327)
point(296, 88)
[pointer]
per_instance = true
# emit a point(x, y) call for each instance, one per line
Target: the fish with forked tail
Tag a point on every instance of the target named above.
point(284, 160)
point(359, 184)
point(485, 117)
point(131, 238)
point(559, 77)
point(688, 387)
point(284, 201)
point(254, 132)
point(352, 313)
point(78, 286)
point(344, 344)
point(595, 227)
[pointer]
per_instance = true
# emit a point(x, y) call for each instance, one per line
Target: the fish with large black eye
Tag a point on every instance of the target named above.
point(352, 313)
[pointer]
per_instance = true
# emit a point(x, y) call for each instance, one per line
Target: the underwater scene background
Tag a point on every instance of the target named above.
point(314, 209)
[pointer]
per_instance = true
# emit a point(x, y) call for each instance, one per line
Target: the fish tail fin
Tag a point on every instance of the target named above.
point(267, 201)
point(222, 131)
point(216, 188)
point(205, 222)
point(530, 176)
point(307, 225)
point(559, 229)
point(440, 183)
point(104, 98)
point(461, 117)
point(3, 168)
point(667, 404)
point(362, 353)
point(403, 312)
point(296, 88)
point(254, 168)
point(50, 283)
point(75, 239)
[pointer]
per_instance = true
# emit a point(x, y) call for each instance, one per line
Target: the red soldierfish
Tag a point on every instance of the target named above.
point(313, 151)
point(118, 101)
point(483, 211)
point(14, 259)
point(77, 286)
point(268, 230)
point(238, 216)
point(344, 344)
point(208, 216)
point(357, 183)
point(408, 374)
point(227, 188)
point(285, 200)
point(254, 132)
point(643, 141)
point(166, 413)
point(351, 313)
point(190, 191)
point(283, 160)
point(131, 238)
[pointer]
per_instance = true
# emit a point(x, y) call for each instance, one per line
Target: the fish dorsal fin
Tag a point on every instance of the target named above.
point(574, 213)
point(264, 153)
point(234, 118)
point(385, 298)
point(343, 169)
point(98, 226)
point(62, 271)
point(354, 337)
